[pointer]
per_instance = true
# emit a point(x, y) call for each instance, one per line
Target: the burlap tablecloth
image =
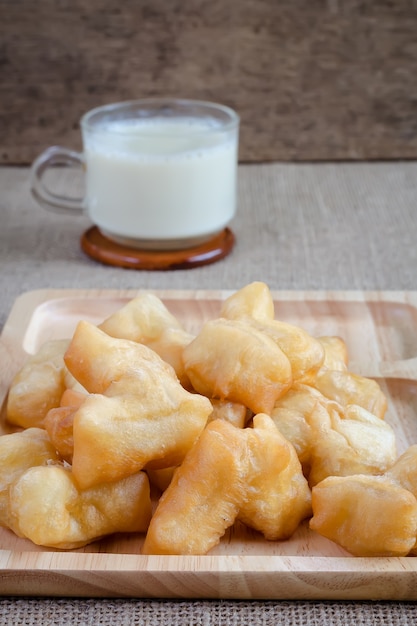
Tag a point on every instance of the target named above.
point(298, 226)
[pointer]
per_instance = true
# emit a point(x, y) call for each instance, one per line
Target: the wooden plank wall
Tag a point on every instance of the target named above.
point(311, 79)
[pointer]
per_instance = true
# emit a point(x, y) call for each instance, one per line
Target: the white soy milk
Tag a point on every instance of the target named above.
point(160, 180)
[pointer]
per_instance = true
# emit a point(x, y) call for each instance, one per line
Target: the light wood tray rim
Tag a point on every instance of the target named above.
point(210, 576)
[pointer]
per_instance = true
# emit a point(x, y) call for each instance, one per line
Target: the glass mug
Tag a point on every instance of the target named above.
point(159, 173)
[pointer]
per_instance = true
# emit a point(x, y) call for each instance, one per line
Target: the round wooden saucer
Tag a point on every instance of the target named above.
point(102, 249)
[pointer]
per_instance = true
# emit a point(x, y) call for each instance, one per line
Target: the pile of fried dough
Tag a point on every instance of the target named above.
point(251, 419)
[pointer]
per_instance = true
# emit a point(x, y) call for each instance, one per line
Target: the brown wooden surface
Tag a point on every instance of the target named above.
point(311, 79)
point(375, 325)
point(109, 252)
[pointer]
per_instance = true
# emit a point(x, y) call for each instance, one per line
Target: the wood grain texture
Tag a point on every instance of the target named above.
point(375, 325)
point(311, 80)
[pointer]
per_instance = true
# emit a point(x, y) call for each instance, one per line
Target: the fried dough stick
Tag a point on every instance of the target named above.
point(145, 319)
point(254, 305)
point(250, 474)
point(137, 413)
point(47, 506)
point(18, 452)
point(38, 386)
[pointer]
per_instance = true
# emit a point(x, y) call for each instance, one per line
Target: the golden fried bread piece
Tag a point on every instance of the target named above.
point(254, 305)
point(72, 397)
point(252, 474)
point(347, 388)
point(231, 360)
point(277, 497)
point(18, 452)
point(404, 473)
point(140, 421)
point(254, 301)
point(366, 515)
point(335, 353)
point(58, 423)
point(96, 360)
point(145, 319)
point(232, 412)
point(170, 347)
point(290, 415)
point(304, 352)
point(160, 478)
point(203, 498)
point(137, 412)
point(142, 319)
point(38, 386)
point(71, 383)
point(47, 507)
point(404, 470)
point(348, 440)
point(331, 439)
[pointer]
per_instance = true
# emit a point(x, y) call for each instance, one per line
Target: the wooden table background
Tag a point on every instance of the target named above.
point(311, 79)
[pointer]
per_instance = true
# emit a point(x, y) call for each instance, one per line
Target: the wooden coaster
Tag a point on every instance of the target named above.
point(102, 249)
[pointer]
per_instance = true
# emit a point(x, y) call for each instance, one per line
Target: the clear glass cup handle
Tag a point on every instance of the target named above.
point(55, 155)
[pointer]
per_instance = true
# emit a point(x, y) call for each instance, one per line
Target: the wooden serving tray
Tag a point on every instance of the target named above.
point(380, 331)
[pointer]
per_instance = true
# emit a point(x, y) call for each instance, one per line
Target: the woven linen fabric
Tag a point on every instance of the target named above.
point(298, 226)
point(55, 612)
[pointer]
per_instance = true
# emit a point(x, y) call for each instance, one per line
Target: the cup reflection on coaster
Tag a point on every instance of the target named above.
point(160, 174)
